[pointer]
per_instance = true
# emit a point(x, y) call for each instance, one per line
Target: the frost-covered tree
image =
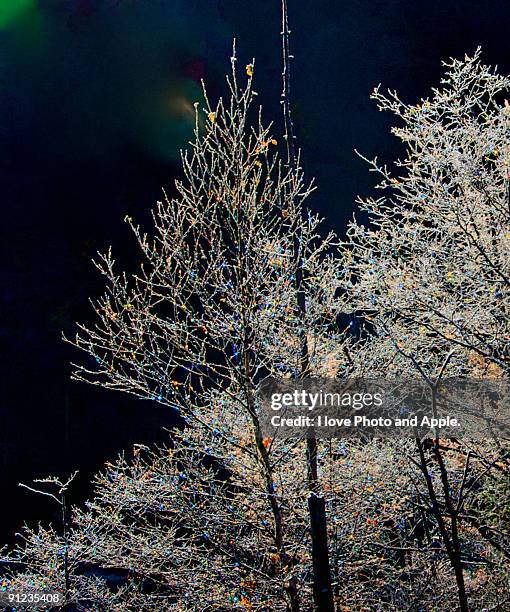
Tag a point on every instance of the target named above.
point(428, 278)
point(436, 253)
point(237, 284)
point(175, 532)
point(215, 307)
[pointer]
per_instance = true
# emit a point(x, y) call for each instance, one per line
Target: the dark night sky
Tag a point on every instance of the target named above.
point(96, 100)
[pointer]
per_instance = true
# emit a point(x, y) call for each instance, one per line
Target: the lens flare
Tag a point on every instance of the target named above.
point(11, 10)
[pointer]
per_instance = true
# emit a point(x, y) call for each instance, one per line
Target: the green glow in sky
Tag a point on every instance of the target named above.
point(10, 10)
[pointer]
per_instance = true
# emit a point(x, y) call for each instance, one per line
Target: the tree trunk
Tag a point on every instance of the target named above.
point(322, 590)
